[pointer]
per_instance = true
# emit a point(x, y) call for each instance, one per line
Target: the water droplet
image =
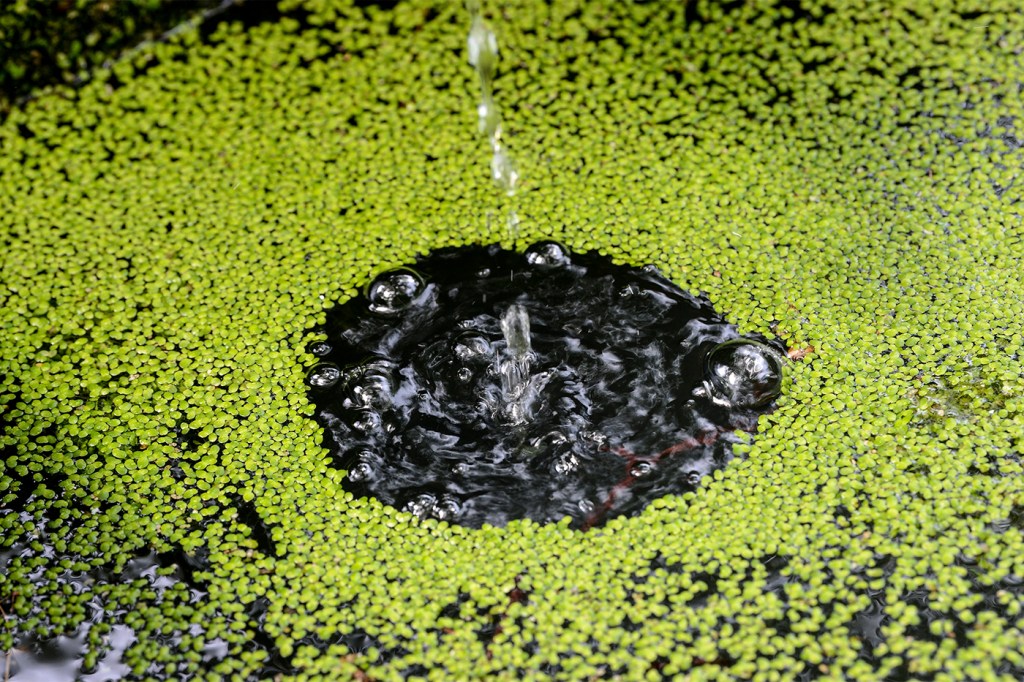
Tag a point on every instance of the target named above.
point(519, 386)
point(482, 46)
point(743, 373)
point(586, 506)
point(503, 169)
point(319, 348)
point(628, 291)
point(547, 253)
point(641, 469)
point(323, 376)
point(488, 119)
point(421, 505)
point(513, 220)
point(394, 291)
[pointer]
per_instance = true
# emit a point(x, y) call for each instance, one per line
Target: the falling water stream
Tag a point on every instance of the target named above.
point(482, 47)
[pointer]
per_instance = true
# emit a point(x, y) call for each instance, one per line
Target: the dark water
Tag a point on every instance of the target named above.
point(94, 649)
point(481, 385)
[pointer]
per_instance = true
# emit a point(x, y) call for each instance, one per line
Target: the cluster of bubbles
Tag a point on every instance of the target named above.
point(484, 385)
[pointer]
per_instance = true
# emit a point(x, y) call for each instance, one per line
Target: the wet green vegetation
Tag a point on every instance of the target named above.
point(842, 177)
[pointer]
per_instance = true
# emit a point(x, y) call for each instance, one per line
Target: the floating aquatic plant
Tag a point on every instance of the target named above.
point(840, 176)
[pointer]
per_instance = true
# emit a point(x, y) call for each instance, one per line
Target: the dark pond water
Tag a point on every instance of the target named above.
point(481, 385)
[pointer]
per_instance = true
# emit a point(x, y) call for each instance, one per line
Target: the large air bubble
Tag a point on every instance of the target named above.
point(482, 385)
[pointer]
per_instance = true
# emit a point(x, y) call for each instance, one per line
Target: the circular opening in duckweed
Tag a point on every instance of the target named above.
point(483, 385)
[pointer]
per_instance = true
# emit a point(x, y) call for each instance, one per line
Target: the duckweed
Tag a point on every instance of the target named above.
point(840, 176)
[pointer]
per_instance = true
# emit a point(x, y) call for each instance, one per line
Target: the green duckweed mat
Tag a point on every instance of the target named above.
point(43, 42)
point(842, 175)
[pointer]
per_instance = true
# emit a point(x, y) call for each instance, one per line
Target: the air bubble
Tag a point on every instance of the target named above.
point(394, 291)
point(547, 253)
point(641, 469)
point(446, 508)
point(372, 385)
point(360, 472)
point(319, 348)
point(743, 373)
point(693, 478)
point(421, 505)
point(323, 376)
point(464, 375)
point(586, 506)
point(368, 422)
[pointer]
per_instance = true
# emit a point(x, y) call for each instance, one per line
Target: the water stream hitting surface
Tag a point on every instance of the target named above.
point(483, 385)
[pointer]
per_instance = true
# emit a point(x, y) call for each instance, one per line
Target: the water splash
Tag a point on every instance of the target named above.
point(482, 48)
point(518, 386)
point(485, 385)
point(515, 327)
